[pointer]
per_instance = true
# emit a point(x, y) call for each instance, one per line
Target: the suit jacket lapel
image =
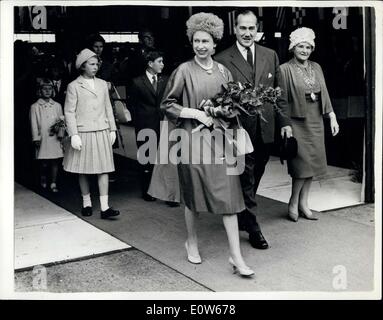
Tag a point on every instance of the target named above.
point(147, 83)
point(161, 84)
point(241, 64)
point(259, 65)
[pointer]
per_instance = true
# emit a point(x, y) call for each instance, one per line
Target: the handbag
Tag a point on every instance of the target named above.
point(288, 148)
point(122, 113)
point(242, 143)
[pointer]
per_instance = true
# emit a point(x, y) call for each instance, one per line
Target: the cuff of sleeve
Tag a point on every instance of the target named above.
point(284, 121)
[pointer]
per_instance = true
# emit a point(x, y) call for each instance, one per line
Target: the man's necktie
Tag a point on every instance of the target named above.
point(56, 88)
point(249, 57)
point(154, 83)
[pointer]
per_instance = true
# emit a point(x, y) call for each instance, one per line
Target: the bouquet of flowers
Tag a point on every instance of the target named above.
point(58, 128)
point(238, 98)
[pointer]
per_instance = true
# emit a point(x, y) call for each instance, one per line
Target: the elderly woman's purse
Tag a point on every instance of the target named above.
point(288, 148)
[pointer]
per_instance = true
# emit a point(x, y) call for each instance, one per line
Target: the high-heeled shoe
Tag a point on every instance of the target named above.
point(245, 272)
point(293, 216)
point(193, 259)
point(307, 216)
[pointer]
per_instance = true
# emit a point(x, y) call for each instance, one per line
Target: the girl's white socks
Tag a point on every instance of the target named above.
point(104, 203)
point(86, 202)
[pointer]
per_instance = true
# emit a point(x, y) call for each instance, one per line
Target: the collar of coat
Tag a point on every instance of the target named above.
point(44, 103)
point(84, 84)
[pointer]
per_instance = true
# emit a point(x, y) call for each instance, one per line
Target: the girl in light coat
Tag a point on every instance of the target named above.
point(92, 131)
point(43, 114)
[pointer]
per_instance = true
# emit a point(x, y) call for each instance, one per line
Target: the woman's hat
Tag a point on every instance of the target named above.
point(302, 35)
point(83, 56)
point(207, 22)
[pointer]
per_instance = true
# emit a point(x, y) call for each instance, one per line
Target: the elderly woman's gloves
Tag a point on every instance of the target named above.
point(333, 124)
point(201, 116)
point(75, 142)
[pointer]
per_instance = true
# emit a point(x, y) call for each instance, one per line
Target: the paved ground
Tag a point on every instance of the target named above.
point(302, 256)
point(129, 270)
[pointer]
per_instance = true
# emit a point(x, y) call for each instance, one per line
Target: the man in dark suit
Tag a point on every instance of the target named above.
point(145, 95)
point(136, 63)
point(60, 82)
point(250, 62)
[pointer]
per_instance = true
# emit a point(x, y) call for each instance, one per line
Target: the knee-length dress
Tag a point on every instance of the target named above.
point(200, 186)
point(307, 119)
point(43, 115)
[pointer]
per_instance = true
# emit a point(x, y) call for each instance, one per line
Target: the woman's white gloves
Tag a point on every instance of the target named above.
point(333, 124)
point(112, 136)
point(75, 141)
point(201, 116)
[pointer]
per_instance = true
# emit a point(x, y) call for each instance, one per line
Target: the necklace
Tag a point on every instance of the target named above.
point(308, 76)
point(208, 69)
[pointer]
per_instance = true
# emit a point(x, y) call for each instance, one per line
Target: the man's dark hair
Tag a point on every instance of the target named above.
point(244, 12)
point(95, 38)
point(152, 54)
point(142, 32)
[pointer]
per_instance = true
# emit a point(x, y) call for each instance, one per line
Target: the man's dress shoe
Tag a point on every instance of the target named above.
point(172, 204)
point(148, 197)
point(257, 240)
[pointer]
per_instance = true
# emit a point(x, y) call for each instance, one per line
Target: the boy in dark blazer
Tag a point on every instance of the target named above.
point(145, 95)
point(250, 62)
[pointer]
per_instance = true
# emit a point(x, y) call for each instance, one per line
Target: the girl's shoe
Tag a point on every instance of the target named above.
point(54, 188)
point(293, 216)
point(192, 259)
point(244, 272)
point(87, 211)
point(109, 213)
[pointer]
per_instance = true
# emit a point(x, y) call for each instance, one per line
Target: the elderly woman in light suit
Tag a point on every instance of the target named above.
point(309, 102)
point(92, 130)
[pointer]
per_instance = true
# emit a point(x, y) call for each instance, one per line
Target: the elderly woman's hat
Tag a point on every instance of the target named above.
point(302, 35)
point(83, 56)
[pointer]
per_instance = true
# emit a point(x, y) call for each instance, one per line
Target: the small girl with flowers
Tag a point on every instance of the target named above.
point(44, 113)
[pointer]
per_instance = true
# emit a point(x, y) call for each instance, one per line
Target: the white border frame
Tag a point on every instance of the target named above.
point(7, 160)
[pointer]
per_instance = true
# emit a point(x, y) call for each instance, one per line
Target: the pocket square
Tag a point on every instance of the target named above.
point(269, 75)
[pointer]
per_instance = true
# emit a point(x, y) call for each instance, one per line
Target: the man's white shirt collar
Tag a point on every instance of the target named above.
point(150, 76)
point(243, 50)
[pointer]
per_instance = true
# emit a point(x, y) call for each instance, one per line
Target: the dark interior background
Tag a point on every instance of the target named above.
point(338, 51)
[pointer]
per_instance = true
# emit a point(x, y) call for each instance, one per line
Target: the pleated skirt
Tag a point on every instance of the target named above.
point(95, 156)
